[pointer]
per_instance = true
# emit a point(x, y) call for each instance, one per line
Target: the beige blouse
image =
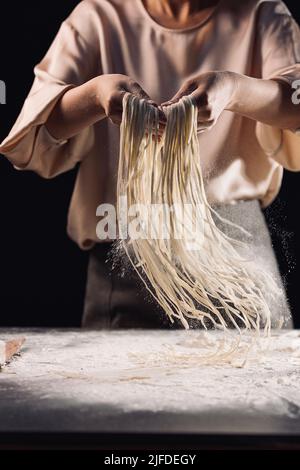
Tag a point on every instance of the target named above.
point(241, 159)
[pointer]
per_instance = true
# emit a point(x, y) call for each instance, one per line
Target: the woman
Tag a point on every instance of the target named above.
point(239, 61)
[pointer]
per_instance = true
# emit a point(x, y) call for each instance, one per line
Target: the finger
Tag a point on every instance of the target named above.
point(199, 98)
point(137, 90)
point(166, 103)
point(186, 89)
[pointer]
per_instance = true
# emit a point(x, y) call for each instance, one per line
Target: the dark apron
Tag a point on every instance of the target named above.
point(117, 298)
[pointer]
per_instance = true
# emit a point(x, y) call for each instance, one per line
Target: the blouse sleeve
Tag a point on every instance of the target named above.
point(70, 61)
point(279, 48)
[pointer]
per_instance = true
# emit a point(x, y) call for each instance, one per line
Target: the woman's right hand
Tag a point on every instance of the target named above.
point(83, 106)
point(110, 91)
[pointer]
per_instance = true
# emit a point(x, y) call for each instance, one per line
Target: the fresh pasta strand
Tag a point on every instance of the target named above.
point(211, 283)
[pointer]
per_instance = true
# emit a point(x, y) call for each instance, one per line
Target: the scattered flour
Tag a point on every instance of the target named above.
point(161, 370)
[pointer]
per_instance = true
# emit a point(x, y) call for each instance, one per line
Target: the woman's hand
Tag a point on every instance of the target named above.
point(110, 90)
point(267, 101)
point(212, 92)
point(101, 97)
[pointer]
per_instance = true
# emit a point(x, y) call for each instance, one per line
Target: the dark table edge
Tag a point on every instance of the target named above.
point(100, 441)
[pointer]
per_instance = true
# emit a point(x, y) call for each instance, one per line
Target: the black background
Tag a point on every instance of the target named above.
point(42, 272)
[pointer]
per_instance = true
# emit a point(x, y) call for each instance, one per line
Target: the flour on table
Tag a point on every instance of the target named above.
point(160, 370)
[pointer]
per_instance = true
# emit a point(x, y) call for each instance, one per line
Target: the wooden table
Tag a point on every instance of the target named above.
point(131, 389)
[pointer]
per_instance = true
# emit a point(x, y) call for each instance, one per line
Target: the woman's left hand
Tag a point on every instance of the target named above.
point(212, 92)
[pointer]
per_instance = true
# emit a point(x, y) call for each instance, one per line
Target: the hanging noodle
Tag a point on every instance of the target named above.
point(212, 283)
